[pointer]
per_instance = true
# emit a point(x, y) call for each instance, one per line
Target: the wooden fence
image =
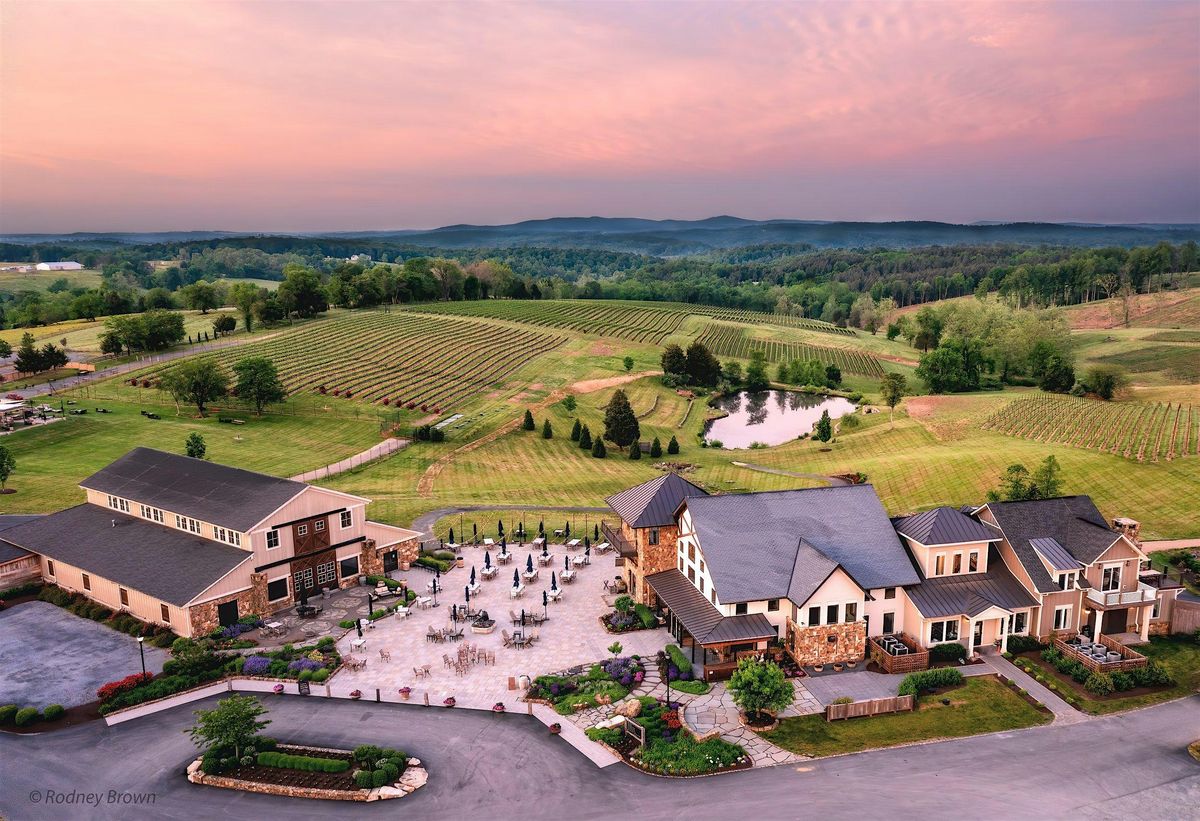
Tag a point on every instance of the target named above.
point(917, 658)
point(871, 707)
point(1130, 659)
point(1185, 616)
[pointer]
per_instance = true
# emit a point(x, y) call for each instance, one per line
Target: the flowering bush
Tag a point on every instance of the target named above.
point(450, 702)
point(278, 688)
point(356, 694)
point(300, 665)
point(256, 666)
point(115, 688)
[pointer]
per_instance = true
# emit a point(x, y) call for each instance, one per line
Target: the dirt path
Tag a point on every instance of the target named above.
point(425, 486)
point(387, 446)
point(425, 522)
point(832, 480)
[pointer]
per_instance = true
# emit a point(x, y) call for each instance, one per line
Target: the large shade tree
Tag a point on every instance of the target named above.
point(196, 382)
point(258, 382)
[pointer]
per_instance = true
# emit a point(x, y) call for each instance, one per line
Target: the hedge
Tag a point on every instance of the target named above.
point(26, 716)
point(646, 615)
point(305, 763)
point(20, 590)
point(914, 683)
point(681, 662)
point(950, 651)
point(1023, 644)
point(430, 563)
point(7, 713)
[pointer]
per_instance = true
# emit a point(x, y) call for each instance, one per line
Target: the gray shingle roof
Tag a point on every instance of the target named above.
point(943, 525)
point(653, 503)
point(160, 561)
point(700, 618)
point(971, 594)
point(1055, 554)
point(8, 551)
point(752, 541)
point(1072, 521)
point(219, 494)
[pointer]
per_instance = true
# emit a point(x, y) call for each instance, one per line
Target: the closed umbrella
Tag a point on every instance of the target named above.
point(467, 590)
point(529, 563)
point(553, 580)
point(503, 545)
point(487, 560)
point(566, 562)
point(546, 602)
point(454, 612)
point(542, 528)
point(499, 527)
point(567, 530)
point(451, 535)
point(596, 534)
point(358, 627)
point(516, 578)
point(475, 533)
point(545, 550)
point(587, 549)
point(522, 616)
point(472, 575)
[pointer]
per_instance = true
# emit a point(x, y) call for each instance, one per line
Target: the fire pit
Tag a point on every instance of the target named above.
point(483, 624)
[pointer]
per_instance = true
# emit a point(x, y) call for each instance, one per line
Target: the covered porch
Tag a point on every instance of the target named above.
point(715, 643)
point(1122, 617)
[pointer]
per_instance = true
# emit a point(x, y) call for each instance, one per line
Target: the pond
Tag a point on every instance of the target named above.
point(771, 417)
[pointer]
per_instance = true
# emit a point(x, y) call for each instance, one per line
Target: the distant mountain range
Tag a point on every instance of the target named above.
point(680, 237)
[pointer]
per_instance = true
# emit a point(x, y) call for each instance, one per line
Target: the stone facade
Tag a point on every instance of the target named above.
point(370, 563)
point(812, 645)
point(651, 558)
point(1160, 628)
point(203, 617)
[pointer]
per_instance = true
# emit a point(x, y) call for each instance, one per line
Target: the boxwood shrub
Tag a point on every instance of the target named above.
point(53, 711)
point(7, 713)
point(915, 683)
point(950, 651)
point(305, 763)
point(26, 716)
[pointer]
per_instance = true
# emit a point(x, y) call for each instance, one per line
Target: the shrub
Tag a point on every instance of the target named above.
point(610, 736)
point(26, 716)
point(951, 651)
point(1152, 675)
point(1023, 644)
point(305, 763)
point(646, 615)
point(915, 683)
point(53, 711)
point(1099, 683)
point(256, 666)
point(8, 713)
point(116, 688)
point(320, 675)
point(623, 604)
point(21, 590)
point(1122, 681)
point(843, 700)
point(379, 778)
point(346, 624)
point(363, 779)
point(695, 687)
point(679, 658)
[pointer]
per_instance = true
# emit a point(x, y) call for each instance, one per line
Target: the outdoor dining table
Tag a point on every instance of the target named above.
point(544, 559)
point(575, 543)
point(515, 592)
point(567, 576)
point(530, 575)
point(489, 572)
point(424, 601)
point(358, 644)
point(539, 541)
point(554, 595)
point(558, 532)
point(489, 542)
point(582, 558)
point(402, 611)
point(504, 558)
point(602, 548)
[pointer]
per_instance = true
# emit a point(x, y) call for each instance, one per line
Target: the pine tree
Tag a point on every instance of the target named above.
point(635, 451)
point(576, 429)
point(527, 424)
point(598, 449)
point(824, 429)
point(547, 431)
point(656, 448)
point(585, 438)
point(674, 361)
point(673, 446)
point(620, 422)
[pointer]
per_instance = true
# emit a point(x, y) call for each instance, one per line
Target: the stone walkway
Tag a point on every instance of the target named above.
point(1063, 713)
point(716, 711)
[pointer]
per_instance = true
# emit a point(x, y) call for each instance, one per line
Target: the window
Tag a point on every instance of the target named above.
point(346, 519)
point(681, 563)
point(957, 563)
point(652, 536)
point(277, 589)
point(889, 623)
point(118, 504)
point(831, 614)
point(349, 567)
point(228, 536)
point(152, 513)
point(713, 595)
point(184, 523)
point(165, 612)
point(87, 582)
point(691, 552)
point(319, 525)
point(772, 605)
point(943, 630)
point(1062, 617)
point(1112, 578)
point(304, 579)
point(702, 565)
point(889, 593)
point(272, 539)
point(973, 562)
point(850, 612)
point(701, 584)
point(49, 567)
point(740, 608)
point(1155, 609)
point(124, 596)
point(325, 573)
point(302, 530)
point(814, 616)
point(692, 574)
point(939, 565)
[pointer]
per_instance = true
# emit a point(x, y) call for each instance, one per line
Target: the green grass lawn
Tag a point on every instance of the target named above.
point(53, 459)
point(981, 705)
point(1179, 654)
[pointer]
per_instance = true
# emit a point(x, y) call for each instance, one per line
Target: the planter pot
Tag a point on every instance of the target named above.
point(852, 664)
point(818, 667)
point(459, 561)
point(837, 668)
point(405, 693)
point(404, 565)
point(555, 728)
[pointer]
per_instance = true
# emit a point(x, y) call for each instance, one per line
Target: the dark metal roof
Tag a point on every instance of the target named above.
point(653, 503)
point(1055, 554)
point(700, 617)
point(943, 525)
point(810, 571)
point(219, 494)
point(168, 564)
point(751, 541)
point(10, 552)
point(1072, 521)
point(971, 594)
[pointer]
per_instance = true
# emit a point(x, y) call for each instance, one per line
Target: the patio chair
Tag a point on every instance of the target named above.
point(516, 620)
point(532, 637)
point(446, 662)
point(385, 655)
point(432, 635)
point(506, 638)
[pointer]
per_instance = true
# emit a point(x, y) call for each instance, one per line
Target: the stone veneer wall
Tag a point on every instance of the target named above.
point(811, 645)
point(652, 558)
point(1159, 628)
point(203, 617)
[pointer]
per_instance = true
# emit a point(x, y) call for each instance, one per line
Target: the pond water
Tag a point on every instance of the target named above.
point(771, 417)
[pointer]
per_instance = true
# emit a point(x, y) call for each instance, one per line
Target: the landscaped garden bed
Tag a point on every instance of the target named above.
point(981, 704)
point(603, 683)
point(1173, 671)
point(670, 749)
point(628, 616)
point(676, 668)
point(82, 606)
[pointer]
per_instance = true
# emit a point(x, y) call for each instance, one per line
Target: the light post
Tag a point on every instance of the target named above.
point(142, 653)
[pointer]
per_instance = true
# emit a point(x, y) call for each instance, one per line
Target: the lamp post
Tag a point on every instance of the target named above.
point(142, 652)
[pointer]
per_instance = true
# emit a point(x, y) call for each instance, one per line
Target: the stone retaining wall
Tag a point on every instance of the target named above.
point(412, 779)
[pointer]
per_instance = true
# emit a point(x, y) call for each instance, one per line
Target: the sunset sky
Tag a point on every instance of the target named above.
point(371, 115)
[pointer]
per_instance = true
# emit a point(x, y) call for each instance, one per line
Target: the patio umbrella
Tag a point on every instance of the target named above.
point(596, 534)
point(542, 528)
point(553, 580)
point(503, 545)
point(472, 574)
point(566, 562)
point(467, 590)
point(516, 578)
point(545, 602)
point(474, 532)
point(587, 549)
point(545, 550)
point(441, 545)
point(358, 627)
point(499, 527)
point(454, 612)
point(522, 616)
point(487, 560)
point(567, 530)
point(451, 535)
point(529, 563)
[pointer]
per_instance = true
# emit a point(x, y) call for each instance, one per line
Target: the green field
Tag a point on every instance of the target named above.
point(732, 341)
point(84, 335)
point(14, 282)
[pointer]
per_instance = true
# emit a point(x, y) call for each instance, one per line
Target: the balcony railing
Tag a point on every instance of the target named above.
point(625, 548)
point(1142, 595)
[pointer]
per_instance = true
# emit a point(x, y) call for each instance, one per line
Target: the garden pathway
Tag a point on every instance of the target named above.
point(1063, 713)
point(716, 711)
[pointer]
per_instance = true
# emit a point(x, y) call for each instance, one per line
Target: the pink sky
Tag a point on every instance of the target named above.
point(363, 115)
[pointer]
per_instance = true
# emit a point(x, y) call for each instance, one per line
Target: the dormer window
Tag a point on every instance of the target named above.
point(973, 562)
point(1066, 581)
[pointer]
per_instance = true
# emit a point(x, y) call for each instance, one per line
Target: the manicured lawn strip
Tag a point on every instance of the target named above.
point(1179, 655)
point(981, 705)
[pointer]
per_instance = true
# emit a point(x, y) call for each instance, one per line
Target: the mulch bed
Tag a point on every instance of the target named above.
point(1065, 681)
point(297, 778)
point(74, 716)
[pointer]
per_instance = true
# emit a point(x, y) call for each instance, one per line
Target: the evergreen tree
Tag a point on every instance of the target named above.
point(783, 373)
point(756, 373)
point(585, 438)
point(833, 376)
point(29, 359)
point(702, 367)
point(628, 363)
point(598, 449)
point(824, 430)
point(547, 431)
point(673, 446)
point(620, 422)
point(8, 464)
point(527, 423)
point(674, 361)
point(576, 429)
point(635, 451)
point(656, 448)
point(195, 446)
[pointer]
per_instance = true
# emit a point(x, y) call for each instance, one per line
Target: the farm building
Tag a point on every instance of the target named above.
point(194, 545)
point(65, 265)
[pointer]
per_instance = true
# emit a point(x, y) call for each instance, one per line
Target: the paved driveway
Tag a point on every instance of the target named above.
point(508, 767)
point(857, 684)
point(51, 656)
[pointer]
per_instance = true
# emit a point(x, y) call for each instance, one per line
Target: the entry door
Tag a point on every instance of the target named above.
point(227, 613)
point(303, 582)
point(978, 633)
point(391, 561)
point(1114, 622)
